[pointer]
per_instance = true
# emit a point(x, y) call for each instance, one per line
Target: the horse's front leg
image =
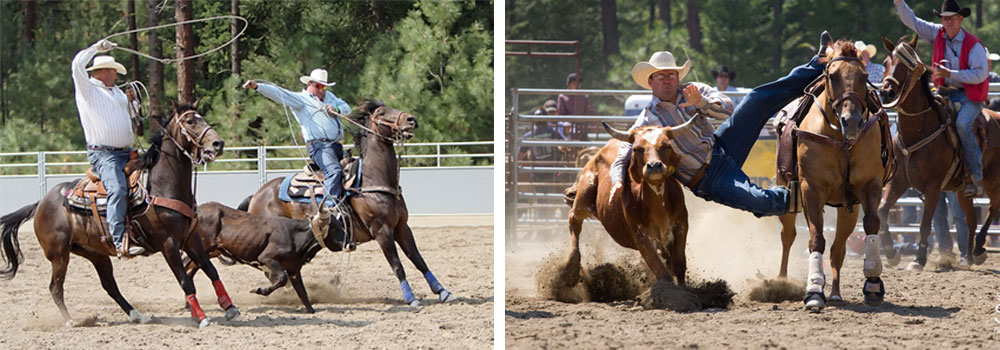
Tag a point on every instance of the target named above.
point(813, 202)
point(409, 246)
point(846, 222)
point(892, 191)
point(874, 289)
point(384, 237)
point(172, 254)
point(196, 253)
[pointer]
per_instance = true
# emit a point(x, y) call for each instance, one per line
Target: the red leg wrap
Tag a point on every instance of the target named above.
point(196, 311)
point(220, 291)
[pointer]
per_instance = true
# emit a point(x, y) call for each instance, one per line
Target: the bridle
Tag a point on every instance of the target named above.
point(396, 135)
point(191, 137)
point(905, 54)
point(850, 95)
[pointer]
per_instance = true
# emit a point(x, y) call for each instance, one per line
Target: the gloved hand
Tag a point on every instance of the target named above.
point(250, 84)
point(104, 45)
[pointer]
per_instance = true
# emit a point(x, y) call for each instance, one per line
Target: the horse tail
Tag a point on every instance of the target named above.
point(245, 205)
point(569, 194)
point(8, 236)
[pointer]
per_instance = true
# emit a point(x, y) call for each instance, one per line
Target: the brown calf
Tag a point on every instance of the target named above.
point(646, 214)
point(277, 245)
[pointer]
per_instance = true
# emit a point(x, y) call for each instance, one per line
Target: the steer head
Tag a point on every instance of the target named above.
point(653, 157)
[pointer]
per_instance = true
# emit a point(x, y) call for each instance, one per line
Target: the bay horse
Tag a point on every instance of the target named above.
point(839, 164)
point(379, 210)
point(930, 155)
point(167, 222)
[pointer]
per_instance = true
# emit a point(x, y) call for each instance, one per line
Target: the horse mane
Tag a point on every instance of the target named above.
point(152, 155)
point(361, 115)
point(845, 48)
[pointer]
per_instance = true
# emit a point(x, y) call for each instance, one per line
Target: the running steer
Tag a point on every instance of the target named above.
point(277, 245)
point(646, 214)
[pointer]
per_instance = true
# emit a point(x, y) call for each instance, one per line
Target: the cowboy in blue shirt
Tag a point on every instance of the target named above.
point(315, 109)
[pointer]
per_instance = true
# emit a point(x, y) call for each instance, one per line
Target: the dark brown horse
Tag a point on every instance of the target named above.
point(839, 152)
point(379, 210)
point(928, 154)
point(186, 138)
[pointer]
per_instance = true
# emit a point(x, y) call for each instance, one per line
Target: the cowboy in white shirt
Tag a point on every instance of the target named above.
point(107, 126)
point(316, 110)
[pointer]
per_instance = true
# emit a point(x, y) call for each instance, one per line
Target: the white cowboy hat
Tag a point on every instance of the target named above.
point(662, 60)
point(993, 57)
point(318, 75)
point(861, 46)
point(101, 62)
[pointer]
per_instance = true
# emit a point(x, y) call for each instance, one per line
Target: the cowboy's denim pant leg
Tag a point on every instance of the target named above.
point(738, 133)
point(949, 203)
point(110, 166)
point(970, 146)
point(727, 184)
point(327, 156)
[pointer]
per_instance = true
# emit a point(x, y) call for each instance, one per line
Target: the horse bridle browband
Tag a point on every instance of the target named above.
point(848, 95)
point(190, 136)
point(905, 54)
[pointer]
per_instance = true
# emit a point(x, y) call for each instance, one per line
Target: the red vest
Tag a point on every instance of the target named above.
point(975, 92)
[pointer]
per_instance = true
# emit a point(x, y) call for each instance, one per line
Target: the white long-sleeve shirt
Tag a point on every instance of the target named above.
point(928, 31)
point(103, 110)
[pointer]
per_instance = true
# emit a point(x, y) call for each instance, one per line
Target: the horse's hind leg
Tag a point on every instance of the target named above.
point(196, 252)
point(60, 263)
point(409, 246)
point(890, 195)
point(105, 270)
point(972, 253)
point(296, 278)
point(787, 239)
point(385, 241)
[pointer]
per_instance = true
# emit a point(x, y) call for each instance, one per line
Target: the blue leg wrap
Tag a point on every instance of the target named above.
point(407, 292)
point(436, 286)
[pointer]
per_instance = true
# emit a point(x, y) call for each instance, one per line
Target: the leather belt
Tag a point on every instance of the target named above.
point(697, 177)
point(106, 148)
point(310, 142)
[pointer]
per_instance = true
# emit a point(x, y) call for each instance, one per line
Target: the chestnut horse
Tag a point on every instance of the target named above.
point(930, 155)
point(185, 139)
point(839, 152)
point(379, 211)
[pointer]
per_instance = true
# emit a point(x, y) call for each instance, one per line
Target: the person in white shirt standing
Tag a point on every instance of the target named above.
point(107, 127)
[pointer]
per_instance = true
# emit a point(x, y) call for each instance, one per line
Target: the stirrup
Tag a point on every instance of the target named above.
point(794, 197)
point(973, 189)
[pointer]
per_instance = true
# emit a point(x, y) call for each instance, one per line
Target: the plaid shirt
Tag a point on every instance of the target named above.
point(694, 147)
point(875, 72)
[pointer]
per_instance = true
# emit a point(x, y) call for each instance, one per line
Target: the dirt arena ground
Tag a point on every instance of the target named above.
point(935, 308)
point(368, 314)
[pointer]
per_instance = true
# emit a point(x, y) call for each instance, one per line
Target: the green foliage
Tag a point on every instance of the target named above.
point(432, 59)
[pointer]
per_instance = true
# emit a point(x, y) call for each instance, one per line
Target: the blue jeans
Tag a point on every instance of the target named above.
point(949, 202)
point(724, 181)
point(327, 156)
point(970, 146)
point(110, 166)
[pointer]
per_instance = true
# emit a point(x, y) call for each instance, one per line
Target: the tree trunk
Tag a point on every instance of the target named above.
point(183, 11)
point(863, 17)
point(665, 12)
point(234, 29)
point(133, 38)
point(28, 29)
point(609, 23)
point(652, 14)
point(155, 67)
point(694, 25)
point(779, 29)
point(979, 14)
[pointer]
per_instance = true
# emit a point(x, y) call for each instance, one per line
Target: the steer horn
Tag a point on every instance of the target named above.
point(683, 128)
point(623, 136)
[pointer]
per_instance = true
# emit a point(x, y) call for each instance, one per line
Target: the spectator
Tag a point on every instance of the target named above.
point(994, 77)
point(574, 105)
point(875, 70)
point(949, 202)
point(723, 79)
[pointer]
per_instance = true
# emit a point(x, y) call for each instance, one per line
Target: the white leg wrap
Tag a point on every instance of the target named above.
point(873, 262)
point(136, 317)
point(816, 277)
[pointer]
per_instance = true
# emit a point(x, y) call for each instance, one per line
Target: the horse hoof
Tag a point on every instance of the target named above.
point(835, 300)
point(69, 324)
point(979, 259)
point(915, 266)
point(815, 301)
point(233, 314)
point(446, 296)
point(415, 303)
point(136, 317)
point(874, 291)
point(204, 323)
point(893, 259)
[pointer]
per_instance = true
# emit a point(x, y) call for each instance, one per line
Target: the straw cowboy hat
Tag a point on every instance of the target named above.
point(662, 60)
point(102, 62)
point(318, 75)
point(951, 8)
point(862, 47)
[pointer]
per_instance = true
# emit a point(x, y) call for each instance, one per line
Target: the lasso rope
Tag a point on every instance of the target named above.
point(172, 60)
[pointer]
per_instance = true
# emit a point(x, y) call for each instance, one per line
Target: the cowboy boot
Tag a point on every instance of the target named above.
point(973, 188)
point(824, 40)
